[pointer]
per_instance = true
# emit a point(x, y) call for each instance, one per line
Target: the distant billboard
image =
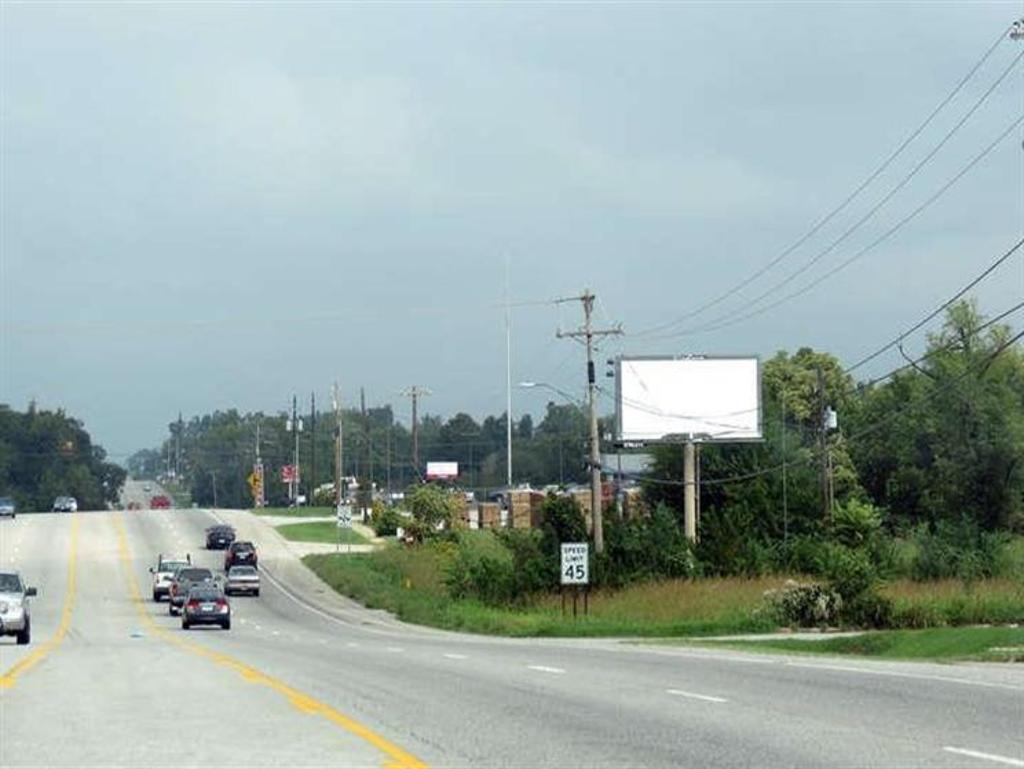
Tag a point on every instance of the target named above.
point(700, 399)
point(442, 471)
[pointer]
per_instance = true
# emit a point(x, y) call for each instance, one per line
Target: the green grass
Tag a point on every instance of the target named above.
point(946, 643)
point(409, 582)
point(295, 512)
point(954, 602)
point(321, 531)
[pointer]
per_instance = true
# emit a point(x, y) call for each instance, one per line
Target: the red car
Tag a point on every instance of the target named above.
point(159, 502)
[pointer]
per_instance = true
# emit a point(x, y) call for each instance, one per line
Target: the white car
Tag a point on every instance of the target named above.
point(15, 611)
point(163, 573)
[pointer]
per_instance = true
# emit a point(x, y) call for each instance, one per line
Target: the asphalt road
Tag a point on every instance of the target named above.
point(305, 678)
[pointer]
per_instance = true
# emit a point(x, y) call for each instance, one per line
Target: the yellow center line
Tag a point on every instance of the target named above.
point(399, 759)
point(8, 679)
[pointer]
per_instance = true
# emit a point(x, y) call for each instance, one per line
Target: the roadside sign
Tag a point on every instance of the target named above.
point(575, 563)
point(344, 516)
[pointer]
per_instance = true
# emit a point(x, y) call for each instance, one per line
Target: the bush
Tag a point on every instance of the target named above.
point(644, 548)
point(804, 604)
point(499, 569)
point(387, 521)
point(852, 576)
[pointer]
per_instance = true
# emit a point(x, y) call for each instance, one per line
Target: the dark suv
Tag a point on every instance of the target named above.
point(240, 554)
point(219, 537)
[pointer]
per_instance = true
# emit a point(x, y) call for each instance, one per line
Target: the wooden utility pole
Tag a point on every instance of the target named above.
point(823, 446)
point(312, 446)
point(587, 333)
point(415, 393)
point(336, 403)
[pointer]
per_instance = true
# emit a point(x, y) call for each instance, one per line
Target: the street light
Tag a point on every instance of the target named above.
point(572, 399)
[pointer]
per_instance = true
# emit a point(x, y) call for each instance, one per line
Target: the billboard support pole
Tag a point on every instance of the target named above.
point(690, 491)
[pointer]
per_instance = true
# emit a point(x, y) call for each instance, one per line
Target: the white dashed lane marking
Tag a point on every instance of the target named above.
point(456, 656)
point(695, 696)
point(1004, 760)
point(545, 669)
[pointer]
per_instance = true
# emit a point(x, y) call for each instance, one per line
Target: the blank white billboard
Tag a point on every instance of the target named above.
point(442, 470)
point(706, 399)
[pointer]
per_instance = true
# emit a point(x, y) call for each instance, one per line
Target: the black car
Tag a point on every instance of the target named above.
point(219, 537)
point(240, 554)
point(206, 604)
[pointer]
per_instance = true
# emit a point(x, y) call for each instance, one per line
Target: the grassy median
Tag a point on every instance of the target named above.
point(294, 512)
point(321, 531)
point(998, 644)
point(409, 582)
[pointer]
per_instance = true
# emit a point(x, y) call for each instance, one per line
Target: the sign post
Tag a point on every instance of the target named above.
point(344, 513)
point(575, 571)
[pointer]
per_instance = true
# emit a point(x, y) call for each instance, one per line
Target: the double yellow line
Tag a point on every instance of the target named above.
point(398, 758)
point(8, 679)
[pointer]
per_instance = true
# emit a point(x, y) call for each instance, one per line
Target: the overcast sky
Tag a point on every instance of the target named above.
point(219, 205)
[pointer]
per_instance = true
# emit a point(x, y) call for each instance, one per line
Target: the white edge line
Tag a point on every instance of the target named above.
point(694, 696)
point(545, 669)
point(354, 624)
point(985, 756)
point(900, 674)
point(456, 656)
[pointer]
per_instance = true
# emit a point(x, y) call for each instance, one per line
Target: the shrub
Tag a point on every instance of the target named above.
point(387, 521)
point(804, 604)
point(645, 548)
point(855, 522)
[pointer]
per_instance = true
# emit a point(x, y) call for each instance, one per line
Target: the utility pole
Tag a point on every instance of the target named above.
point(312, 446)
point(336, 403)
point(587, 333)
point(415, 392)
point(823, 460)
point(260, 501)
point(690, 490)
point(295, 426)
point(177, 448)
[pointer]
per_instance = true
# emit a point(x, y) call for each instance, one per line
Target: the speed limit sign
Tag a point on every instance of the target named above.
point(575, 563)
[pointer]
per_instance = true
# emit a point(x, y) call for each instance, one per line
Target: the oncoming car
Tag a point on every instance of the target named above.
point(65, 505)
point(15, 610)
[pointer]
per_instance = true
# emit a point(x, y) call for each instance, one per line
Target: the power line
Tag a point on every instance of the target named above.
point(889, 345)
point(732, 319)
point(846, 201)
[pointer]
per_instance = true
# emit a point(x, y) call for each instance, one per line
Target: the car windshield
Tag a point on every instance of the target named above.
point(241, 571)
point(10, 583)
point(172, 565)
point(204, 594)
point(194, 574)
point(243, 547)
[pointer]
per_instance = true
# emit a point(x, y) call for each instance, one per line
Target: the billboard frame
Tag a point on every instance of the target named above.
point(683, 438)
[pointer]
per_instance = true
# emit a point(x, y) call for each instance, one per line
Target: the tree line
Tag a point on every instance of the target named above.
point(939, 443)
point(46, 454)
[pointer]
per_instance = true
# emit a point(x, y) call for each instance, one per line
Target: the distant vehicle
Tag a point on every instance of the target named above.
point(242, 579)
point(147, 488)
point(134, 506)
point(7, 508)
point(183, 581)
point(206, 605)
point(65, 505)
point(163, 573)
point(219, 537)
point(159, 502)
point(240, 553)
point(15, 609)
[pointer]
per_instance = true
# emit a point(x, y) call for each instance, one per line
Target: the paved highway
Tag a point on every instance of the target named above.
point(308, 679)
